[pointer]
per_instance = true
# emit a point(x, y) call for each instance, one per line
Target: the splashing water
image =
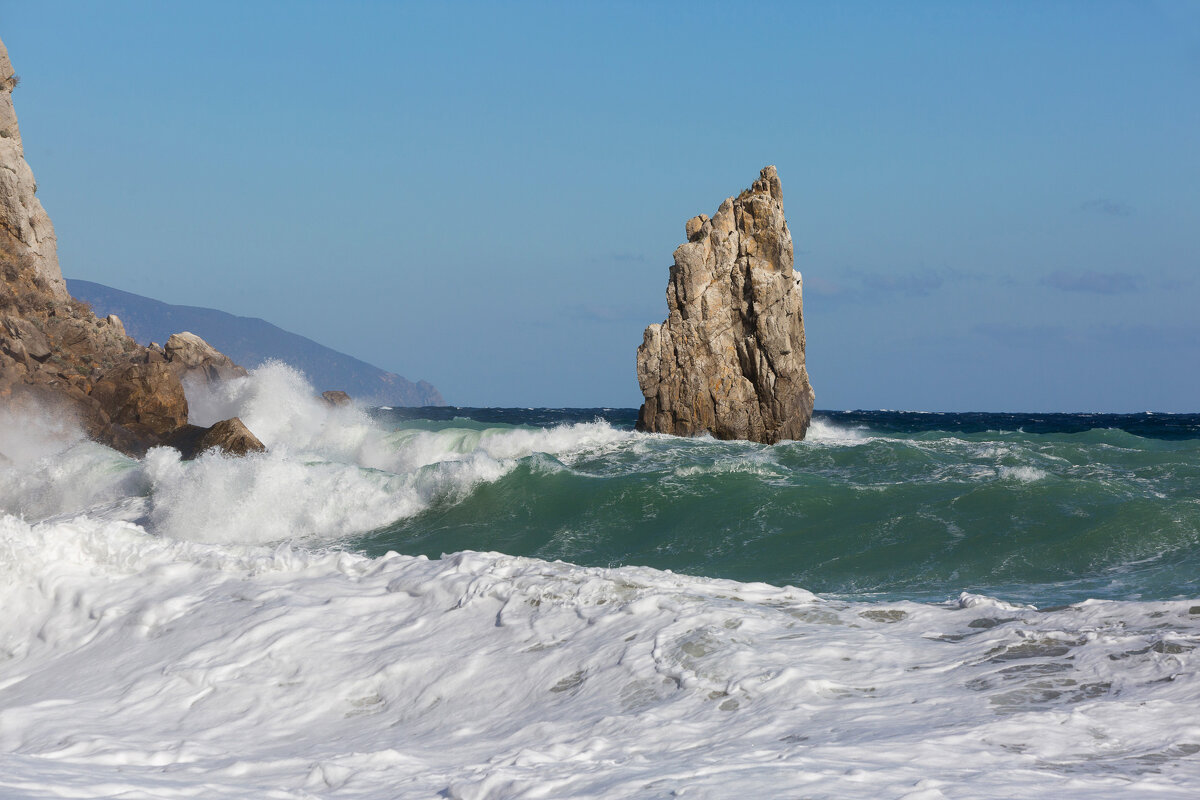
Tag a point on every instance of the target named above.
point(285, 624)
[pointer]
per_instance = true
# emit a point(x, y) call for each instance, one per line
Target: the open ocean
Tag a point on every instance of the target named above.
point(543, 603)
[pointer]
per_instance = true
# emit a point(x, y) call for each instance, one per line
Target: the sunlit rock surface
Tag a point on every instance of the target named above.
point(729, 359)
point(56, 355)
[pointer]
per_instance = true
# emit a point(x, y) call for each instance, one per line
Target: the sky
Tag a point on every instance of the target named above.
point(995, 206)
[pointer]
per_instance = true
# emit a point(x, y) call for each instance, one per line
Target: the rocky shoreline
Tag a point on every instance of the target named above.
point(56, 354)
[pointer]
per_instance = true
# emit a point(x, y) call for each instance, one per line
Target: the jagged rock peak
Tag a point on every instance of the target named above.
point(26, 234)
point(729, 359)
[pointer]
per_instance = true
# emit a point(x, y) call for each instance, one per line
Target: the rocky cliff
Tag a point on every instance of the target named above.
point(55, 353)
point(24, 226)
point(729, 359)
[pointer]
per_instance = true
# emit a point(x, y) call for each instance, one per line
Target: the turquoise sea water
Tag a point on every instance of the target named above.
point(1045, 509)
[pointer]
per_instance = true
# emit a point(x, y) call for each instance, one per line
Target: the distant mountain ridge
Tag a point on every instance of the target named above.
point(250, 341)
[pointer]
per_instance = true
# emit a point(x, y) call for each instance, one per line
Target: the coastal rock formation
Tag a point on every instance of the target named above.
point(24, 225)
point(230, 436)
point(729, 359)
point(56, 354)
point(146, 398)
point(336, 397)
point(189, 356)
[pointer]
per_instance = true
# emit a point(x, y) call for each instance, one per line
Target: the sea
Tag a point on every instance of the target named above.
point(543, 603)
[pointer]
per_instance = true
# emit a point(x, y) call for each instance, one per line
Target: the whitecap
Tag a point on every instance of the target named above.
point(1023, 474)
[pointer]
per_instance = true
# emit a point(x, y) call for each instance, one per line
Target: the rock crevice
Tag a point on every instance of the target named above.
point(729, 358)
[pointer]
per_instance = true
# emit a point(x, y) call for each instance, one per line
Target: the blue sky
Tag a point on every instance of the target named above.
point(995, 206)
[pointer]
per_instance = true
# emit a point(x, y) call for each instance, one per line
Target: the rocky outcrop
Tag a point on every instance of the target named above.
point(336, 397)
point(729, 359)
point(230, 436)
point(24, 224)
point(191, 357)
point(146, 398)
point(56, 354)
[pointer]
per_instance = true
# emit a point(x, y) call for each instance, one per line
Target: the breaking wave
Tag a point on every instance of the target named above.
point(998, 613)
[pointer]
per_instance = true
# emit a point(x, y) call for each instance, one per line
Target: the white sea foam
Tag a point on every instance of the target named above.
point(749, 465)
point(1023, 474)
point(824, 432)
point(329, 472)
point(179, 629)
point(148, 667)
point(48, 468)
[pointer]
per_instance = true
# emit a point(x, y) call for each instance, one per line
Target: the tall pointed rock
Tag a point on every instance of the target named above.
point(26, 234)
point(729, 359)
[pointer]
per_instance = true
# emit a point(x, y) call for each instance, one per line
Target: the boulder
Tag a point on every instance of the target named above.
point(189, 356)
point(336, 397)
point(20, 337)
point(729, 359)
point(230, 436)
point(148, 396)
point(56, 354)
point(115, 323)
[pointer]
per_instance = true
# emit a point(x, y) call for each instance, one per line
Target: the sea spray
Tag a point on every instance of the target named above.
point(330, 473)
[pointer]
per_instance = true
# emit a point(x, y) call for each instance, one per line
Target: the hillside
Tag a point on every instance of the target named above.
point(250, 341)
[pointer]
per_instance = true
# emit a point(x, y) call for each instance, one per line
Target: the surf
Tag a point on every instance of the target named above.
point(514, 602)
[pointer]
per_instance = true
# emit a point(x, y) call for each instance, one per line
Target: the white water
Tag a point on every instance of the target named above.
point(330, 473)
point(156, 644)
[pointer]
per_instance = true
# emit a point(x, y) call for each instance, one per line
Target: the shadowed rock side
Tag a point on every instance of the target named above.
point(56, 355)
point(729, 359)
point(230, 436)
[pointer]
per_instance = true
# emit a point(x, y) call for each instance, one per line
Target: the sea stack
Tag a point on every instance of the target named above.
point(729, 359)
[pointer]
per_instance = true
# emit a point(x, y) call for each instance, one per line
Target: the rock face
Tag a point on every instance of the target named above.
point(142, 395)
point(55, 353)
point(336, 397)
point(189, 356)
point(729, 359)
point(230, 436)
point(24, 225)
